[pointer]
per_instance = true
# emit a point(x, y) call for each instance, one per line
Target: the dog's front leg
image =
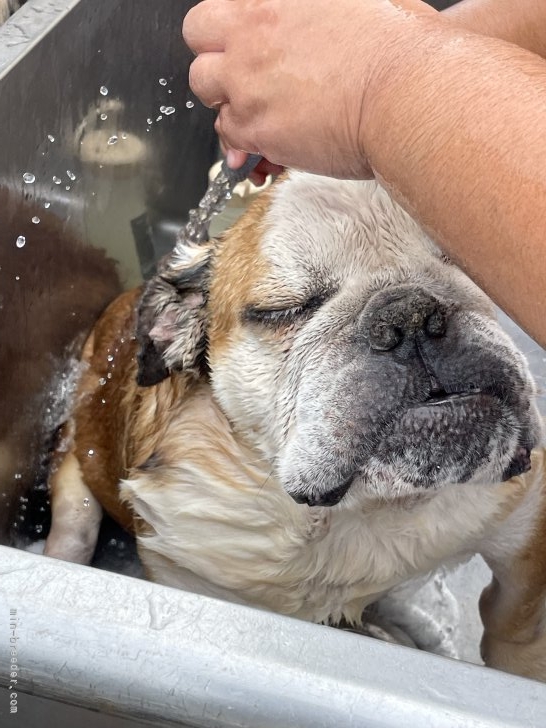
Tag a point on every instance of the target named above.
point(75, 514)
point(513, 606)
point(514, 618)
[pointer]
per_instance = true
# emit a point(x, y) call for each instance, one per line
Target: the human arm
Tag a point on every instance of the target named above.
point(451, 122)
point(522, 22)
point(465, 155)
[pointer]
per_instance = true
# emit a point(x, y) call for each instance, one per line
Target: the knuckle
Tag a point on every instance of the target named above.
point(196, 75)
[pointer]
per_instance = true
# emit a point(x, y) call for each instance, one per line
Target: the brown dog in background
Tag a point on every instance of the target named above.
point(52, 289)
point(316, 408)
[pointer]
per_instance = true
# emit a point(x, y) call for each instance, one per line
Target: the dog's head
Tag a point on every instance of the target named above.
point(348, 349)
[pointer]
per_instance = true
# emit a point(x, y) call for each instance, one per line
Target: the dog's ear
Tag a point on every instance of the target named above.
point(171, 319)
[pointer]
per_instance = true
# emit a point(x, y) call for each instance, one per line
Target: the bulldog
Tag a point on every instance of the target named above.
point(314, 408)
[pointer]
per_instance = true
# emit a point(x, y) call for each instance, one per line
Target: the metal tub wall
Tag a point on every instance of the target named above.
point(97, 173)
point(110, 177)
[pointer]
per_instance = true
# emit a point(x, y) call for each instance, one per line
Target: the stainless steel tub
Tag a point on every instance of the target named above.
point(87, 89)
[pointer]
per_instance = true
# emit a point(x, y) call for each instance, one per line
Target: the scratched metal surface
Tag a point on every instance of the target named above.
point(140, 651)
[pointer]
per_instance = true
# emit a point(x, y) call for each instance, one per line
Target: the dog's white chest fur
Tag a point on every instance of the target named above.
point(217, 511)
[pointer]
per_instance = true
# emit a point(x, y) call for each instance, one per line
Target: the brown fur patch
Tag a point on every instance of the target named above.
point(100, 417)
point(117, 424)
point(237, 267)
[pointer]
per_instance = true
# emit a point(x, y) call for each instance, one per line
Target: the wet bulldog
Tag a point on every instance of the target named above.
point(314, 408)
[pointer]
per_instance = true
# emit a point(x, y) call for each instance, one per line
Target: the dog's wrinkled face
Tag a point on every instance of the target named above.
point(357, 358)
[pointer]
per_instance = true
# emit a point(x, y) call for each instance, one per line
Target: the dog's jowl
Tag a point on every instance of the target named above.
point(319, 406)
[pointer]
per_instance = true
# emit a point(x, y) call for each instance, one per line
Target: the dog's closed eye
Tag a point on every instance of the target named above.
point(283, 315)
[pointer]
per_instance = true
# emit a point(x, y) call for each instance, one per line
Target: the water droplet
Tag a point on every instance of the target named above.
point(36, 219)
point(22, 507)
point(17, 476)
point(47, 205)
point(124, 135)
point(168, 110)
point(163, 81)
point(102, 381)
point(67, 187)
point(109, 375)
point(90, 453)
point(169, 91)
point(149, 121)
point(51, 138)
point(103, 117)
point(103, 91)
point(29, 178)
point(159, 117)
point(17, 278)
point(38, 528)
point(103, 401)
point(113, 542)
point(20, 242)
point(110, 357)
point(56, 180)
point(189, 104)
point(86, 502)
point(112, 140)
point(70, 175)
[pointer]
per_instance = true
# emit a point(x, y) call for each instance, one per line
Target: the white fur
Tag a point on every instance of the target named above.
point(246, 539)
point(7, 7)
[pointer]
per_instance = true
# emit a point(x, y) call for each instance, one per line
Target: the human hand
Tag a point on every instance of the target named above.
point(290, 78)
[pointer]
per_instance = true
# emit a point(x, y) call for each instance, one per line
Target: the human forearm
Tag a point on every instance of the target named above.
point(454, 126)
point(522, 22)
point(451, 121)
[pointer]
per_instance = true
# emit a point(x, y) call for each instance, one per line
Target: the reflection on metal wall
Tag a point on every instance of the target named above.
point(103, 150)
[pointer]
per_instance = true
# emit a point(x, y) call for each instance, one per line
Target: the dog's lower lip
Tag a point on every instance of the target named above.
point(330, 498)
point(520, 463)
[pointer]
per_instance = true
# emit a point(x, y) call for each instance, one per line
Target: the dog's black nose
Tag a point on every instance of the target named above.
point(325, 498)
point(397, 313)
